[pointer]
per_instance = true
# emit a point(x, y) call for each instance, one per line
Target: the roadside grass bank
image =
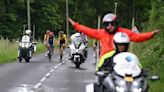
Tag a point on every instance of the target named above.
point(9, 50)
point(151, 56)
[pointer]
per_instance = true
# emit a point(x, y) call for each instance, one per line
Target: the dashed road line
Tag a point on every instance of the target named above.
point(47, 75)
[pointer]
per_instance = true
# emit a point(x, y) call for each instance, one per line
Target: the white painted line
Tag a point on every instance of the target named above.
point(37, 85)
point(43, 79)
point(89, 88)
point(48, 75)
point(51, 70)
point(32, 91)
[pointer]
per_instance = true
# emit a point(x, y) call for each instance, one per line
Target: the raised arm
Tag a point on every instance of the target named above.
point(90, 32)
point(140, 37)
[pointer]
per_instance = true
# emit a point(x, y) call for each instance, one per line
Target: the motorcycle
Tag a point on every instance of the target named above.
point(127, 76)
point(26, 49)
point(77, 52)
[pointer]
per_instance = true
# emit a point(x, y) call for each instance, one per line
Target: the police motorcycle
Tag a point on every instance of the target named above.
point(77, 50)
point(26, 47)
point(127, 76)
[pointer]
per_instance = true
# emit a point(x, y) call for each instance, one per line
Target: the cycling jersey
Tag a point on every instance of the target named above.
point(48, 38)
point(62, 39)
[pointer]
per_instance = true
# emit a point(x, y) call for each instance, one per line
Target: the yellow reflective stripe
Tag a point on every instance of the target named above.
point(102, 59)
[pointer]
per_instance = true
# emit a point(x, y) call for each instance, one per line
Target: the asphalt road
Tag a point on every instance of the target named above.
point(42, 76)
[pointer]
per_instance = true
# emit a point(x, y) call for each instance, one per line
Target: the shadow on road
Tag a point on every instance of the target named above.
point(77, 68)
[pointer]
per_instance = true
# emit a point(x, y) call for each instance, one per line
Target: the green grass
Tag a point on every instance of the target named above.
point(151, 55)
point(8, 50)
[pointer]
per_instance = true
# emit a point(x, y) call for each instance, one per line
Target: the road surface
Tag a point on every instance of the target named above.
point(42, 76)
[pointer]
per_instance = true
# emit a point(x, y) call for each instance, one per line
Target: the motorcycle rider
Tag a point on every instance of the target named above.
point(28, 33)
point(85, 41)
point(77, 37)
point(121, 43)
point(105, 35)
point(26, 38)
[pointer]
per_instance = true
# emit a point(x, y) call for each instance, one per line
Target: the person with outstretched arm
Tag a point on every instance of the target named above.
point(105, 34)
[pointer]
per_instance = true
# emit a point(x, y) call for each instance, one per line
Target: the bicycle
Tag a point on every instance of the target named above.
point(61, 52)
point(50, 52)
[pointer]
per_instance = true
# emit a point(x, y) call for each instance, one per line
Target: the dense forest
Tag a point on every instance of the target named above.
point(51, 14)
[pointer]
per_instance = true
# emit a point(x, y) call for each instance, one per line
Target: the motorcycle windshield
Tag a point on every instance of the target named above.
point(77, 42)
point(125, 64)
point(124, 69)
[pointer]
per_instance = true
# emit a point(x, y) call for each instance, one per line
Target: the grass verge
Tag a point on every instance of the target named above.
point(9, 50)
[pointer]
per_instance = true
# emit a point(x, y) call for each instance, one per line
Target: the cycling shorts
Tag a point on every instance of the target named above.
point(50, 42)
point(61, 42)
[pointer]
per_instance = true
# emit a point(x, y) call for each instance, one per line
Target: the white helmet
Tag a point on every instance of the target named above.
point(28, 32)
point(121, 37)
point(77, 34)
point(72, 36)
point(110, 17)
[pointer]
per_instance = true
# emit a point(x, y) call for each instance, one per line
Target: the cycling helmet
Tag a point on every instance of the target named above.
point(61, 32)
point(121, 38)
point(28, 32)
point(48, 31)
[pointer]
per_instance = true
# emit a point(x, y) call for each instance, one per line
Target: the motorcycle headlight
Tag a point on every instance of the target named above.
point(73, 51)
point(137, 90)
point(135, 83)
point(76, 50)
point(121, 83)
point(120, 89)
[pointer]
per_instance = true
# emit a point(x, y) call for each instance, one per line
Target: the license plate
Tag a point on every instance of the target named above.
point(76, 56)
point(128, 78)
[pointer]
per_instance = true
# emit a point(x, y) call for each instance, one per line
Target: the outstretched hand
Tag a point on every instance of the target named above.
point(156, 31)
point(71, 21)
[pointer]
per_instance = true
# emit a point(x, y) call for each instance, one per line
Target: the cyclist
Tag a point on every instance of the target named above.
point(62, 41)
point(105, 35)
point(48, 40)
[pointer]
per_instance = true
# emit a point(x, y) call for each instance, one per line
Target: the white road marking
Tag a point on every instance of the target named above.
point(47, 75)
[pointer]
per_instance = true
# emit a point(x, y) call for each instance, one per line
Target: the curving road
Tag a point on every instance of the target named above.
point(42, 76)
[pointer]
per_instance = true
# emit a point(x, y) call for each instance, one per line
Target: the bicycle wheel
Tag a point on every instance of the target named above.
point(49, 54)
point(61, 54)
point(61, 57)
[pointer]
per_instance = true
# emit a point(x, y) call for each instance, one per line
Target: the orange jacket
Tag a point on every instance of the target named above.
point(106, 39)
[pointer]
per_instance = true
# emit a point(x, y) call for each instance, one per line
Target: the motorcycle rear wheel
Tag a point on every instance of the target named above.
point(77, 65)
point(19, 59)
point(27, 60)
